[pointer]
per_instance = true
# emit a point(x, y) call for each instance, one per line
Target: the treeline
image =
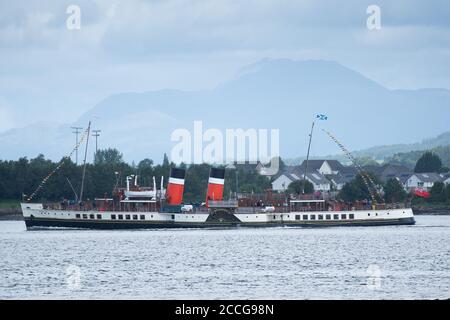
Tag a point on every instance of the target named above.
point(20, 178)
point(393, 191)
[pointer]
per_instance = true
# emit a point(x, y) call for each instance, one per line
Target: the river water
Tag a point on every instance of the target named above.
point(400, 262)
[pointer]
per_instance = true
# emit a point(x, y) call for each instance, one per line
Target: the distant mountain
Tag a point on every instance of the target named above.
point(48, 138)
point(272, 94)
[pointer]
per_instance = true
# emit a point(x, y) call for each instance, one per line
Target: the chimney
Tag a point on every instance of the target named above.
point(215, 185)
point(175, 188)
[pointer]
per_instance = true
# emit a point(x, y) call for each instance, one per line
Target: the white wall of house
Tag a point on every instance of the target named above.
point(414, 182)
point(281, 183)
point(320, 187)
point(325, 168)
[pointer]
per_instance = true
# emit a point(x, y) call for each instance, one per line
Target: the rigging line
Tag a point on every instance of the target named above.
point(366, 178)
point(363, 175)
point(368, 181)
point(84, 167)
point(63, 161)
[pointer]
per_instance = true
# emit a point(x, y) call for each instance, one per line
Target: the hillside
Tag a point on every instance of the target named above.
point(383, 152)
point(410, 158)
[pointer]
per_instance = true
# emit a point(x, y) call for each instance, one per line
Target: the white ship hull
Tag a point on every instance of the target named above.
point(36, 216)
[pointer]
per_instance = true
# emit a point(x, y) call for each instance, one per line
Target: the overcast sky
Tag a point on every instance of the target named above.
point(50, 73)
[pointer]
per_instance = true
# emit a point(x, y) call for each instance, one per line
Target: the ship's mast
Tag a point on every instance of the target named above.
point(307, 157)
point(84, 164)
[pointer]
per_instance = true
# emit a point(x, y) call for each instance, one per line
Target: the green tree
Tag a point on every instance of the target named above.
point(429, 162)
point(108, 156)
point(357, 189)
point(447, 192)
point(196, 183)
point(438, 192)
point(296, 187)
point(247, 182)
point(394, 191)
point(146, 172)
point(444, 170)
point(166, 162)
point(348, 193)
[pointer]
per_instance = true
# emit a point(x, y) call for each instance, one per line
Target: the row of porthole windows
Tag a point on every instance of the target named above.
point(128, 217)
point(88, 216)
point(321, 217)
point(113, 217)
point(325, 217)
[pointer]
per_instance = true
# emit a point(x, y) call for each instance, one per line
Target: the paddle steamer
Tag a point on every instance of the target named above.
point(136, 207)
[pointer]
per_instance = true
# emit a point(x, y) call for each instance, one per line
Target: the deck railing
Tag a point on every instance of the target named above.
point(223, 204)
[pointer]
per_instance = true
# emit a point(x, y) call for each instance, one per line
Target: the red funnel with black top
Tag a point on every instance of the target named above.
point(216, 184)
point(175, 187)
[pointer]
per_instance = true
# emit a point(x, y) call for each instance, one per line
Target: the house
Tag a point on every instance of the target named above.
point(447, 178)
point(400, 173)
point(341, 179)
point(296, 173)
point(422, 181)
point(283, 180)
point(325, 167)
point(345, 175)
point(319, 181)
point(388, 172)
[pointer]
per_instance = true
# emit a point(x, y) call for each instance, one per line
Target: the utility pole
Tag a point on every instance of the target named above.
point(96, 134)
point(76, 132)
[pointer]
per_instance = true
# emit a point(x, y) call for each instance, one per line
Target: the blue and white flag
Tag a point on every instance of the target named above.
point(322, 117)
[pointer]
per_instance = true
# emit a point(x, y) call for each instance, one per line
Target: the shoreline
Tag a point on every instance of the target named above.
point(11, 214)
point(431, 211)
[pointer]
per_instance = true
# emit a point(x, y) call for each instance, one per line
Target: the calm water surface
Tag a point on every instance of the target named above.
point(279, 263)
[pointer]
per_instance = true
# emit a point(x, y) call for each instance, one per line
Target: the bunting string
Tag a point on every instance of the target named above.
point(60, 165)
point(368, 181)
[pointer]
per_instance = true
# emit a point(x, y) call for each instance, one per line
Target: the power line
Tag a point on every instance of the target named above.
point(76, 132)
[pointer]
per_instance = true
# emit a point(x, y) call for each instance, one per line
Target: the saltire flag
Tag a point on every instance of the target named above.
point(322, 117)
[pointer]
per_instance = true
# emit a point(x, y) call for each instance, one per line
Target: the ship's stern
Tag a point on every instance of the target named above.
point(407, 217)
